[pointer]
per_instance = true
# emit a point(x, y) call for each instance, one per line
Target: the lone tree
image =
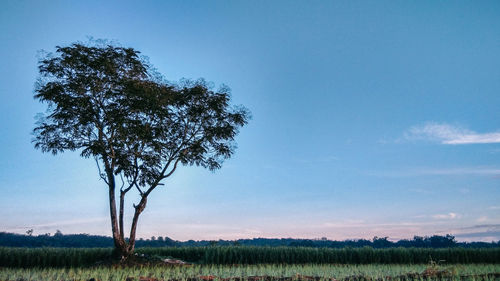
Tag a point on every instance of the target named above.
point(107, 102)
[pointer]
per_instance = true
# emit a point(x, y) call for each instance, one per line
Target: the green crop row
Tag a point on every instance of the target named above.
point(301, 255)
point(72, 257)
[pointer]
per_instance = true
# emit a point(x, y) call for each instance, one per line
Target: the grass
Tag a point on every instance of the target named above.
point(245, 272)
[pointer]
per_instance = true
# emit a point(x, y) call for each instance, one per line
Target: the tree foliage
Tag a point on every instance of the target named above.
point(108, 102)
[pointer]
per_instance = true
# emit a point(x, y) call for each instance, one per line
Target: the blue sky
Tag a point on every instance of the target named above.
point(370, 118)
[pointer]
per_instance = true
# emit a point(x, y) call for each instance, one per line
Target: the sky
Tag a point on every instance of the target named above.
point(369, 118)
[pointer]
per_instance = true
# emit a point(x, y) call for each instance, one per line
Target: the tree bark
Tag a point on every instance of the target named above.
point(120, 244)
point(122, 202)
point(124, 249)
point(138, 210)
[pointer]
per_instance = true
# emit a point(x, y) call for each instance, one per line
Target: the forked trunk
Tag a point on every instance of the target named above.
point(121, 248)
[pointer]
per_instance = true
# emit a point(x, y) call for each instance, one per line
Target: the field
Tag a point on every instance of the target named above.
point(74, 257)
point(238, 263)
point(264, 272)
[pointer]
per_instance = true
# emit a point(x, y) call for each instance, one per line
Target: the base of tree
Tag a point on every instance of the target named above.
point(141, 260)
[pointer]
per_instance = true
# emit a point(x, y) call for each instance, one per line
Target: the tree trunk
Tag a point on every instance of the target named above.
point(121, 249)
point(122, 202)
point(138, 210)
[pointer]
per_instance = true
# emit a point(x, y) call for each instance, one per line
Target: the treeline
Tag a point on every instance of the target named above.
point(72, 241)
point(75, 257)
point(95, 241)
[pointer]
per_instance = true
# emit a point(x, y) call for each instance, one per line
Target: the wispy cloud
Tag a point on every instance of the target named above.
point(490, 226)
point(449, 134)
point(415, 172)
point(482, 219)
point(421, 190)
point(59, 224)
point(485, 236)
point(480, 232)
point(449, 216)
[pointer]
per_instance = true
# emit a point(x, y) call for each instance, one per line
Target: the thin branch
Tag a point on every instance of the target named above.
point(100, 128)
point(101, 175)
point(139, 189)
point(162, 176)
point(157, 182)
point(123, 183)
point(173, 170)
point(134, 180)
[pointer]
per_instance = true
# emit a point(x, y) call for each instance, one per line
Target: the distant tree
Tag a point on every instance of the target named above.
point(108, 103)
point(437, 241)
point(302, 243)
point(418, 241)
point(381, 242)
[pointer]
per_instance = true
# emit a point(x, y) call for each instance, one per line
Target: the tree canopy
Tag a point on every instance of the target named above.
point(108, 102)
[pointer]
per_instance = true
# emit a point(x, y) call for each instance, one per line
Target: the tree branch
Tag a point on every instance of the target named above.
point(123, 182)
point(139, 189)
point(173, 169)
point(157, 182)
point(101, 175)
point(122, 203)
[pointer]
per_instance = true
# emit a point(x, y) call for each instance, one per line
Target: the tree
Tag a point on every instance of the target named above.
point(108, 103)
